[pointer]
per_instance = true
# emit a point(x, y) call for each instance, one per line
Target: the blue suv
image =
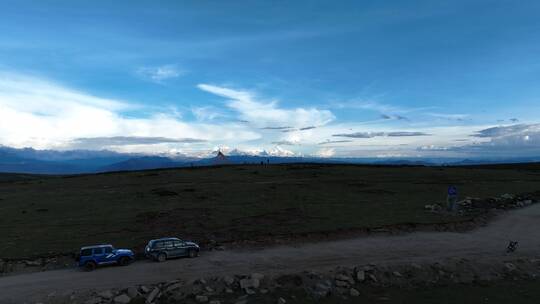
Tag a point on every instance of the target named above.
point(93, 256)
point(165, 248)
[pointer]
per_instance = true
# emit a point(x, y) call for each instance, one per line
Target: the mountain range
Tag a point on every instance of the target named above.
point(28, 160)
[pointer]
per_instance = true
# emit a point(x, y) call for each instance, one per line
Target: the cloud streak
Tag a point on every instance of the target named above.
point(265, 113)
point(160, 74)
point(380, 134)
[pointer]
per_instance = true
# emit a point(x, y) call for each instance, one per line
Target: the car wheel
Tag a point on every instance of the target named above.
point(161, 257)
point(90, 266)
point(124, 261)
point(192, 253)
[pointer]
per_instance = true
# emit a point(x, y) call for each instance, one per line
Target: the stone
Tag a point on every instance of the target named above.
point(209, 289)
point(373, 278)
point(250, 291)
point(152, 296)
point(132, 292)
point(281, 301)
point(264, 291)
point(201, 299)
point(32, 263)
point(344, 278)
point(228, 290)
point(257, 276)
point(397, 274)
point(249, 283)
point(122, 299)
point(360, 275)
point(342, 283)
point(228, 280)
point(354, 293)
point(241, 302)
point(172, 287)
point(214, 302)
point(510, 267)
point(93, 301)
point(107, 294)
point(144, 289)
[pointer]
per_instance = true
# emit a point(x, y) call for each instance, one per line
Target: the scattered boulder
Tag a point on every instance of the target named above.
point(228, 280)
point(107, 294)
point(152, 296)
point(360, 275)
point(122, 299)
point(132, 292)
point(249, 283)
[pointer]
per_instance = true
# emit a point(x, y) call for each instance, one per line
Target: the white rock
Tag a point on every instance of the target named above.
point(122, 299)
point(228, 280)
point(354, 293)
point(144, 289)
point(173, 287)
point(152, 296)
point(360, 275)
point(132, 292)
point(107, 294)
point(249, 283)
point(93, 301)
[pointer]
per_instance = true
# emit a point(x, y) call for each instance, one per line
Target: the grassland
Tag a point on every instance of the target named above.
point(42, 215)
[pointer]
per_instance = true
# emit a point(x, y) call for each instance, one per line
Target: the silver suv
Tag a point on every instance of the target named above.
point(166, 248)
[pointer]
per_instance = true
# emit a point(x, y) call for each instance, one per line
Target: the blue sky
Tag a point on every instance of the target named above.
point(347, 79)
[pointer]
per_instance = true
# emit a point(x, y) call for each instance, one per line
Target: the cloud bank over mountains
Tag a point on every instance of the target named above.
point(43, 114)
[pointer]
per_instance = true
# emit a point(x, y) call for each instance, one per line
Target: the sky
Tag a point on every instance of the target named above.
point(285, 78)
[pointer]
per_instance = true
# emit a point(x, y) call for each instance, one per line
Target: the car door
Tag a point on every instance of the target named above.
point(171, 250)
point(99, 255)
point(180, 248)
point(109, 257)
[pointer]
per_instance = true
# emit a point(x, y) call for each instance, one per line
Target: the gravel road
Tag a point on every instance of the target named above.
point(484, 243)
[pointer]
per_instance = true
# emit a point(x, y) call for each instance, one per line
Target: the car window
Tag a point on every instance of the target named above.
point(177, 243)
point(98, 250)
point(168, 244)
point(158, 244)
point(86, 252)
point(108, 250)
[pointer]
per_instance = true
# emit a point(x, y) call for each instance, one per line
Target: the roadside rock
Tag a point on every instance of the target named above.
point(93, 301)
point(107, 294)
point(152, 296)
point(228, 280)
point(122, 299)
point(249, 283)
point(360, 275)
point(132, 292)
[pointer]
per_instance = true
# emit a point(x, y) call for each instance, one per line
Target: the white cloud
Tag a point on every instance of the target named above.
point(265, 114)
point(41, 114)
point(160, 73)
point(325, 152)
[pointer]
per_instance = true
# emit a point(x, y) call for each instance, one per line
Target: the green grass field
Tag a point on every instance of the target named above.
point(49, 215)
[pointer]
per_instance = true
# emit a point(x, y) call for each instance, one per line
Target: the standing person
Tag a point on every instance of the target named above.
point(451, 198)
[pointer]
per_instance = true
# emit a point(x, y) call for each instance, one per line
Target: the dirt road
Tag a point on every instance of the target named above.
point(487, 242)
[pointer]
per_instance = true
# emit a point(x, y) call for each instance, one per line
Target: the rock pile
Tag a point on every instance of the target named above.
point(342, 282)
